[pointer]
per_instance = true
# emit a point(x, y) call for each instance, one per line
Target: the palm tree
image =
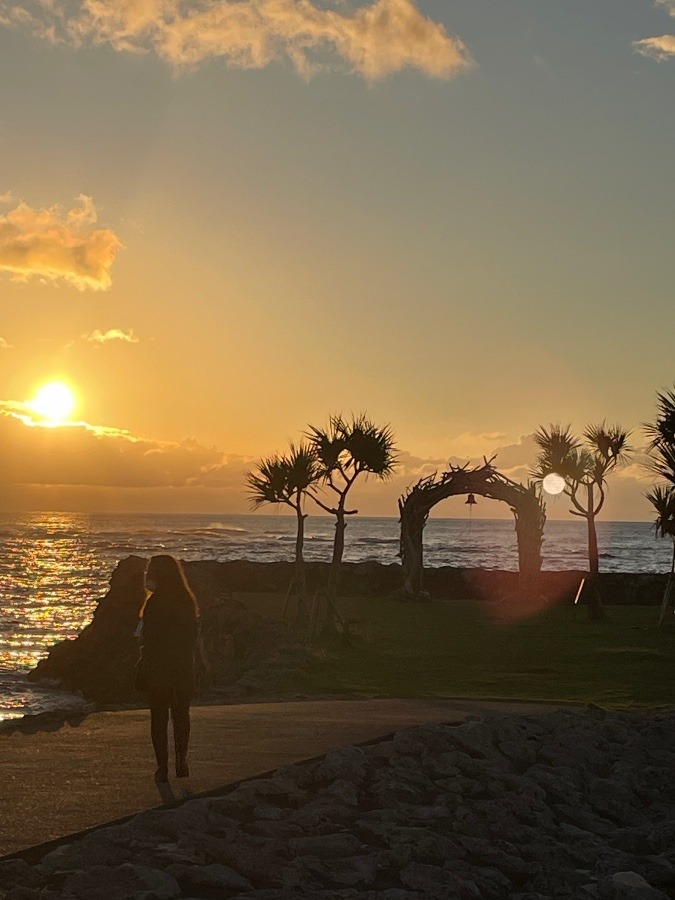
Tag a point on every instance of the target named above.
point(285, 480)
point(662, 431)
point(344, 451)
point(662, 464)
point(584, 466)
point(663, 500)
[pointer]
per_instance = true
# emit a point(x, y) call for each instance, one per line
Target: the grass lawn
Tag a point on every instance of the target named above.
point(455, 649)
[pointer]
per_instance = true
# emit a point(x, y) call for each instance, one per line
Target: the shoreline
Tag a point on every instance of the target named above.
point(225, 591)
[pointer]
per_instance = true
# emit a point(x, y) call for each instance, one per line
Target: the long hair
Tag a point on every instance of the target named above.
point(174, 598)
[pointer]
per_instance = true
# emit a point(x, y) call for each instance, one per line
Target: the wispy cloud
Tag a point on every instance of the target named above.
point(374, 40)
point(49, 245)
point(112, 334)
point(4, 345)
point(659, 48)
point(471, 444)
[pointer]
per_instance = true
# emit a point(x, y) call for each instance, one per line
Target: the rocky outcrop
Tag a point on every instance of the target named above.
point(572, 806)
point(245, 652)
point(105, 652)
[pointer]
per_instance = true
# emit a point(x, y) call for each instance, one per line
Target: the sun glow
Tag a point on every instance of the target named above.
point(54, 402)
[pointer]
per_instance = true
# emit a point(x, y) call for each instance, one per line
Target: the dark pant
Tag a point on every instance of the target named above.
point(161, 701)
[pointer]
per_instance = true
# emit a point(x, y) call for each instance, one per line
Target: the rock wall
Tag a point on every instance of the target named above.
point(372, 579)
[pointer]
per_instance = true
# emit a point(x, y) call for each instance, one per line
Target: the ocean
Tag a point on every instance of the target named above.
point(55, 567)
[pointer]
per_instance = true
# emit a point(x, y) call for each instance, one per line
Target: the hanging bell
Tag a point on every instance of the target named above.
point(471, 500)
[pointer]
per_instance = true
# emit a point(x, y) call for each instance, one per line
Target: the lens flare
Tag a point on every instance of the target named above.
point(554, 483)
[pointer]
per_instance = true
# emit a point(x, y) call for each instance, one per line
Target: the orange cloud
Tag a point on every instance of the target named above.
point(418, 466)
point(374, 41)
point(112, 334)
point(659, 48)
point(43, 243)
point(91, 455)
point(76, 461)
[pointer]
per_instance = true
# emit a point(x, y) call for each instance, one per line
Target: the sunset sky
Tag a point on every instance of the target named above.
point(223, 220)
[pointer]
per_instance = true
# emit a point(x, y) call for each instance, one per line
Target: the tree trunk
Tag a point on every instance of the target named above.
point(669, 590)
point(593, 561)
point(338, 550)
point(412, 554)
point(300, 574)
point(529, 532)
point(596, 612)
point(324, 613)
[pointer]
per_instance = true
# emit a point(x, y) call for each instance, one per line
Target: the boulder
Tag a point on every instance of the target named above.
point(214, 878)
point(121, 883)
point(628, 886)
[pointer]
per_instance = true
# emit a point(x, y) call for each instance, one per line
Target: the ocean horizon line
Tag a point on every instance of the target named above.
point(284, 515)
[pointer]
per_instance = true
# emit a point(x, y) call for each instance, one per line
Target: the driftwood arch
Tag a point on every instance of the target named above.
point(526, 505)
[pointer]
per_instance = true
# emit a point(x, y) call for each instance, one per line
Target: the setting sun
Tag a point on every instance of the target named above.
point(54, 402)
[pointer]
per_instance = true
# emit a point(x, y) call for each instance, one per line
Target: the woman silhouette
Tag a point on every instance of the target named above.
point(170, 628)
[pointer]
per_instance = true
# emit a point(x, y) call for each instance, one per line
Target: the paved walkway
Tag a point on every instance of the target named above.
point(55, 783)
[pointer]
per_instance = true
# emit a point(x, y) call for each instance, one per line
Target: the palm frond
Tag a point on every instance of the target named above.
point(302, 467)
point(662, 499)
point(579, 465)
point(556, 440)
point(283, 478)
point(556, 445)
point(355, 445)
point(371, 448)
point(327, 444)
point(604, 447)
point(662, 462)
point(609, 442)
point(662, 430)
point(268, 482)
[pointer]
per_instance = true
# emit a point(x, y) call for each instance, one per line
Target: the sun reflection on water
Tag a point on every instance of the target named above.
point(48, 593)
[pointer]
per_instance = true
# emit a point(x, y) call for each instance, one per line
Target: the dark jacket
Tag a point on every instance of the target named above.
point(168, 646)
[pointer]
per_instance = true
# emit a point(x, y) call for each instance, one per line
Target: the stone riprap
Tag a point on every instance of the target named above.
point(567, 805)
